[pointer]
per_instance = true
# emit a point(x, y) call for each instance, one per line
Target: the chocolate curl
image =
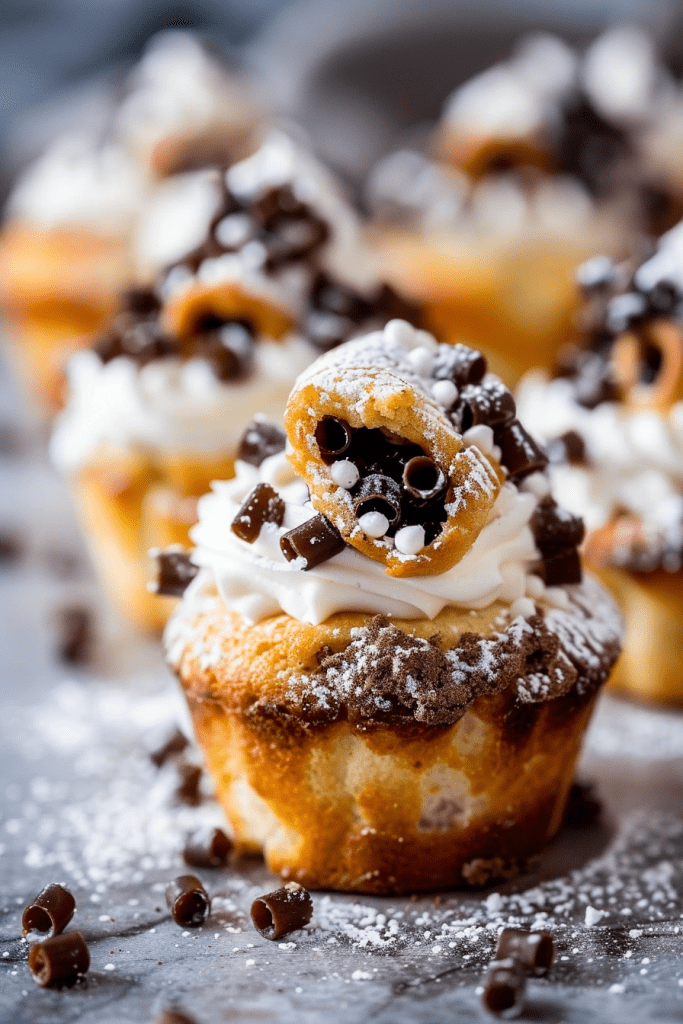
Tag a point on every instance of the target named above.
point(535, 951)
point(189, 781)
point(207, 848)
point(175, 744)
point(283, 911)
point(334, 437)
point(504, 988)
point(423, 480)
point(259, 441)
point(519, 453)
point(559, 567)
point(59, 961)
point(315, 541)
point(188, 901)
point(490, 404)
point(553, 527)
point(460, 364)
point(262, 505)
point(75, 634)
point(379, 493)
point(175, 571)
point(50, 911)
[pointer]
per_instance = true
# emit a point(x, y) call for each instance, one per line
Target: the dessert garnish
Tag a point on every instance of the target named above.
point(189, 781)
point(59, 961)
point(188, 901)
point(504, 988)
point(283, 911)
point(74, 634)
point(175, 571)
point(262, 505)
point(535, 951)
point(260, 440)
point(207, 847)
point(313, 542)
point(173, 745)
point(50, 911)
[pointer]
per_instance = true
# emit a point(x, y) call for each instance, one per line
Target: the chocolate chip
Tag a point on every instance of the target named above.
point(333, 436)
point(584, 808)
point(330, 296)
point(423, 480)
point(314, 541)
point(283, 911)
point(207, 847)
point(560, 566)
point(519, 453)
point(535, 951)
point(11, 546)
point(504, 988)
point(59, 961)
point(490, 404)
point(174, 744)
point(459, 363)
point(553, 527)
point(75, 634)
point(189, 780)
point(262, 505)
point(379, 493)
point(50, 911)
point(275, 204)
point(259, 441)
point(188, 901)
point(574, 448)
point(175, 571)
point(142, 302)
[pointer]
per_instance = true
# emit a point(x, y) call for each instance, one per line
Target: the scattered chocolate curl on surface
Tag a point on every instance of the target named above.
point(50, 911)
point(283, 911)
point(59, 961)
point(207, 847)
point(504, 988)
point(188, 901)
point(535, 951)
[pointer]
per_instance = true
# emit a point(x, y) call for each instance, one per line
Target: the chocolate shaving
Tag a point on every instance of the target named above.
point(283, 911)
point(174, 744)
point(50, 911)
point(59, 961)
point(553, 527)
point(75, 634)
point(459, 363)
point(559, 567)
point(379, 493)
point(259, 441)
point(333, 437)
point(489, 403)
point(504, 988)
point(535, 951)
point(207, 847)
point(175, 572)
point(314, 541)
point(188, 901)
point(189, 781)
point(262, 505)
point(519, 453)
point(584, 807)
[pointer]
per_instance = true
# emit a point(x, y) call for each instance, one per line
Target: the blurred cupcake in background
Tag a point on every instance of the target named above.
point(538, 163)
point(611, 416)
point(156, 409)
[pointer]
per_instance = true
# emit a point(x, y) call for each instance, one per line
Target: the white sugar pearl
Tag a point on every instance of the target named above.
point(344, 474)
point(421, 360)
point(445, 393)
point(523, 606)
point(234, 230)
point(374, 524)
point(410, 539)
point(481, 437)
point(399, 332)
point(536, 484)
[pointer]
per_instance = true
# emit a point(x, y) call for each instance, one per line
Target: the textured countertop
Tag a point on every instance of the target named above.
point(81, 803)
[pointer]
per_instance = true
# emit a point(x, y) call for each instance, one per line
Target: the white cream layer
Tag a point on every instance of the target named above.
point(80, 183)
point(257, 581)
point(636, 457)
point(168, 405)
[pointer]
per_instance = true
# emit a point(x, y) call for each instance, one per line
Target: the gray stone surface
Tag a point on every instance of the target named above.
point(81, 803)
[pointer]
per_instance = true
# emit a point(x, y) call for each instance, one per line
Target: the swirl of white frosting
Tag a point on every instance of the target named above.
point(169, 405)
point(80, 183)
point(257, 581)
point(635, 457)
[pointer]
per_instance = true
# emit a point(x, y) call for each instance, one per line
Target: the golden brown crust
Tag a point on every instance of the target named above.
point(182, 313)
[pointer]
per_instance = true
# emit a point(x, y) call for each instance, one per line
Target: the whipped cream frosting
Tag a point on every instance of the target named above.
point(635, 458)
point(168, 405)
point(257, 581)
point(79, 182)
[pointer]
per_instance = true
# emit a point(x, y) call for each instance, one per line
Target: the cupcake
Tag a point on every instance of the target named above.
point(538, 163)
point(183, 108)
point(612, 419)
point(274, 273)
point(65, 255)
point(386, 643)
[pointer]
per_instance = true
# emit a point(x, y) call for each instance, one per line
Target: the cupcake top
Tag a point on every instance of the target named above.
point(612, 415)
point(395, 502)
point(83, 183)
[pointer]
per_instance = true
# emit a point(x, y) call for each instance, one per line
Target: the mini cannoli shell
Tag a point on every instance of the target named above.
point(396, 401)
point(184, 311)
